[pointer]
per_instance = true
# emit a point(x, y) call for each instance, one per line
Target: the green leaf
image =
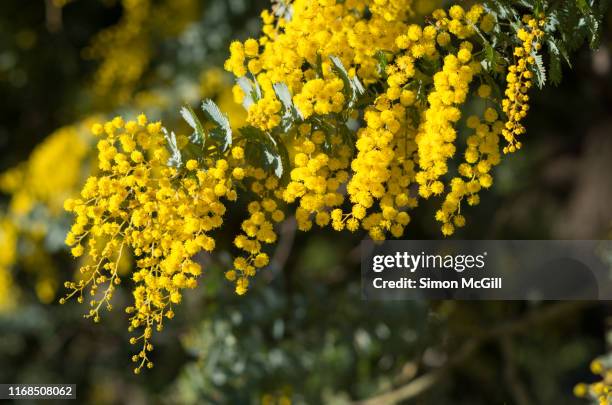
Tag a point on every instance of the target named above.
point(591, 21)
point(283, 94)
point(198, 136)
point(271, 154)
point(348, 136)
point(571, 25)
point(291, 114)
point(594, 18)
point(496, 91)
point(554, 66)
point(251, 89)
point(222, 131)
point(265, 151)
point(381, 67)
point(282, 9)
point(319, 66)
point(502, 11)
point(539, 70)
point(176, 159)
point(352, 86)
point(492, 59)
point(285, 161)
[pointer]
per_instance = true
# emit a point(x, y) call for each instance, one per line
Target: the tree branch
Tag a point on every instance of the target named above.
point(524, 324)
point(511, 375)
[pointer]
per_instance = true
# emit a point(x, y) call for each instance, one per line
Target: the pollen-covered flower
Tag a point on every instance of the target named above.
point(519, 80)
point(162, 215)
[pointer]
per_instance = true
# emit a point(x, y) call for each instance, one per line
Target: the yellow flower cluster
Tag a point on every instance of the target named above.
point(320, 97)
point(125, 50)
point(8, 247)
point(290, 51)
point(437, 134)
point(516, 103)
point(317, 176)
point(37, 190)
point(481, 155)
point(391, 10)
point(383, 149)
point(386, 162)
point(258, 228)
point(395, 149)
point(163, 215)
point(426, 149)
point(51, 174)
point(382, 171)
point(600, 391)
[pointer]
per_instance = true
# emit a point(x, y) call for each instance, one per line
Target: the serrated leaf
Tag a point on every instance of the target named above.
point(283, 94)
point(251, 90)
point(530, 4)
point(247, 89)
point(352, 86)
point(554, 66)
point(272, 155)
point(265, 151)
point(381, 67)
point(282, 9)
point(558, 48)
point(348, 136)
point(291, 114)
point(198, 136)
point(571, 25)
point(583, 6)
point(176, 159)
point(222, 131)
point(503, 11)
point(492, 59)
point(274, 160)
point(555, 72)
point(540, 71)
point(285, 161)
point(592, 21)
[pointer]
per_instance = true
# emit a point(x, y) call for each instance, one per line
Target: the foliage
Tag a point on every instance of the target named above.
point(337, 136)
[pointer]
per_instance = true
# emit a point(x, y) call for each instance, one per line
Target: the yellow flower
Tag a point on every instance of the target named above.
point(191, 164)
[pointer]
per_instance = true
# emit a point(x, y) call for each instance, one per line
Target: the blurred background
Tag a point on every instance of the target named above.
point(302, 334)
